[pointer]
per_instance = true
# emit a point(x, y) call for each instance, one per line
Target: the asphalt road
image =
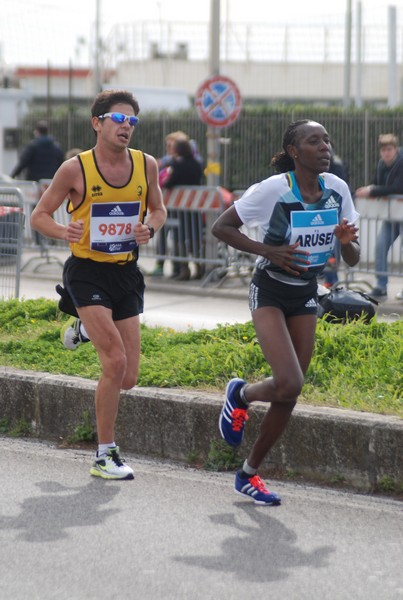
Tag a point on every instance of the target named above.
point(176, 533)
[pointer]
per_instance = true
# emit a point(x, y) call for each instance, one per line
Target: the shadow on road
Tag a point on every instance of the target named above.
point(263, 551)
point(47, 517)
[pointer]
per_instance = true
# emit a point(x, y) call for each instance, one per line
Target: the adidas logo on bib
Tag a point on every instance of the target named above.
point(317, 220)
point(116, 212)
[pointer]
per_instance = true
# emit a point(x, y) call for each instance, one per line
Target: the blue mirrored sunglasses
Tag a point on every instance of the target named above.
point(120, 118)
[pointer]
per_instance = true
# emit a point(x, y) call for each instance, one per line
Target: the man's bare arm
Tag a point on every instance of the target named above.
point(64, 184)
point(157, 212)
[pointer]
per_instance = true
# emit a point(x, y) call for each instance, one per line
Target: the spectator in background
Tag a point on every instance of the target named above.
point(166, 161)
point(165, 172)
point(41, 158)
point(72, 153)
point(330, 275)
point(163, 167)
point(388, 181)
point(186, 170)
point(338, 167)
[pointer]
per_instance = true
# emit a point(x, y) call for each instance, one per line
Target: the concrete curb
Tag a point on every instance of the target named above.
point(359, 449)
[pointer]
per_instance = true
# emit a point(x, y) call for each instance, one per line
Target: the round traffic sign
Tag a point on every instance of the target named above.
point(218, 101)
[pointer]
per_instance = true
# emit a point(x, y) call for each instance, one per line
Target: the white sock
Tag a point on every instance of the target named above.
point(83, 331)
point(242, 395)
point(247, 469)
point(103, 448)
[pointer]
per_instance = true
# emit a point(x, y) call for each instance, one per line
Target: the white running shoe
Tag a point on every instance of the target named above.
point(399, 295)
point(70, 334)
point(111, 466)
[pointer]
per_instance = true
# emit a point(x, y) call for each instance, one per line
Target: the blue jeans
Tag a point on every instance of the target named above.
point(388, 233)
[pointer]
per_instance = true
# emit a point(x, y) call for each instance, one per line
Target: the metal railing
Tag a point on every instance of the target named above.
point(373, 213)
point(11, 239)
point(251, 142)
point(33, 241)
point(186, 236)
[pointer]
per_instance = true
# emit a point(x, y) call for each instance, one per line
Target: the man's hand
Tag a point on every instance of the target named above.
point(74, 231)
point(141, 233)
point(363, 192)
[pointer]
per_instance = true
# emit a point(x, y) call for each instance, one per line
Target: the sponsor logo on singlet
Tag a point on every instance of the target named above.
point(96, 191)
point(331, 203)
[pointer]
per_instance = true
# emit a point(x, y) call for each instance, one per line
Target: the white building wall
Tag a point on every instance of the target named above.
point(13, 107)
point(57, 86)
point(262, 80)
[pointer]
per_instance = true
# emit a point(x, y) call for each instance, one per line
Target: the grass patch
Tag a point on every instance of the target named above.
point(355, 366)
point(222, 457)
point(20, 429)
point(85, 431)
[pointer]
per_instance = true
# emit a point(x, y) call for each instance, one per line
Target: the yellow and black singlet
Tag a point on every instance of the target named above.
point(110, 213)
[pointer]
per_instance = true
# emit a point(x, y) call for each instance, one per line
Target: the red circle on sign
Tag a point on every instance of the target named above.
point(218, 101)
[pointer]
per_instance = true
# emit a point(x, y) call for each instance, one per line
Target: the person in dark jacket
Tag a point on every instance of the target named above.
point(330, 274)
point(388, 182)
point(187, 170)
point(41, 158)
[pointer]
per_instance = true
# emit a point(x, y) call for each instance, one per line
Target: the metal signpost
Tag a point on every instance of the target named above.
point(218, 104)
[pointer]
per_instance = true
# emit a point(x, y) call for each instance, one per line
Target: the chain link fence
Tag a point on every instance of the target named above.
point(11, 240)
point(248, 145)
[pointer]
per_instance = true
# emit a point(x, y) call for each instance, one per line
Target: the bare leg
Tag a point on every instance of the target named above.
point(287, 345)
point(118, 348)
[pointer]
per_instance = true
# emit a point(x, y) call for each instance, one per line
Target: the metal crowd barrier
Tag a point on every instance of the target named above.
point(34, 242)
point(186, 235)
point(30, 194)
point(239, 265)
point(373, 212)
point(11, 240)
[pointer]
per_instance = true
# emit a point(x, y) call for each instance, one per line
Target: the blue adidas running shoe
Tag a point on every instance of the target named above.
point(255, 489)
point(232, 418)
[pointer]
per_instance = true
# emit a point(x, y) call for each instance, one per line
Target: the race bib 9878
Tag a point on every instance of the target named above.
point(112, 226)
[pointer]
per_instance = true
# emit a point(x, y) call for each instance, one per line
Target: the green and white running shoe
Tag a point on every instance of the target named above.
point(70, 334)
point(111, 466)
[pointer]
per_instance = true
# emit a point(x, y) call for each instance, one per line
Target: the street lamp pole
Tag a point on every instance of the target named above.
point(213, 134)
point(97, 68)
point(347, 56)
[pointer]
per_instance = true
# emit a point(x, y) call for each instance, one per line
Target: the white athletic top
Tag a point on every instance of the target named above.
point(275, 205)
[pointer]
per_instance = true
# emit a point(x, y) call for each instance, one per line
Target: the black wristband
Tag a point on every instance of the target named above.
point(151, 230)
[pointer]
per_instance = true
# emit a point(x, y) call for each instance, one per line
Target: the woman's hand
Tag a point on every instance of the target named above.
point(346, 232)
point(288, 257)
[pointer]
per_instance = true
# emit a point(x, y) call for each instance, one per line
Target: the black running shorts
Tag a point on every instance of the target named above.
point(292, 300)
point(119, 287)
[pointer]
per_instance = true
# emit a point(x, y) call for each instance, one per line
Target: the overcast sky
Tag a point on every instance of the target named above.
point(33, 32)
